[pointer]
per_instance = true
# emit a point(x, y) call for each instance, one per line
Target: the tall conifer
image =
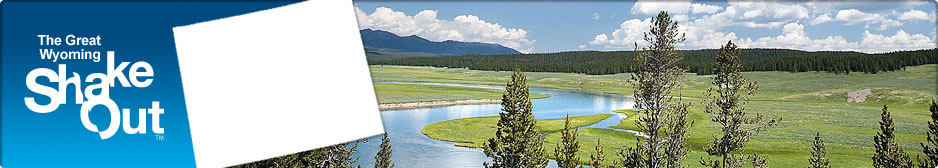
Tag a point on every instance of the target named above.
point(726, 104)
point(819, 154)
point(596, 161)
point(662, 119)
point(383, 158)
point(568, 146)
point(516, 143)
point(888, 152)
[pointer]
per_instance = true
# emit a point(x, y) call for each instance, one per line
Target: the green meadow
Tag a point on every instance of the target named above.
point(473, 132)
point(808, 102)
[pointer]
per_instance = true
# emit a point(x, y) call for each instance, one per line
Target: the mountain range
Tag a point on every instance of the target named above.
point(378, 42)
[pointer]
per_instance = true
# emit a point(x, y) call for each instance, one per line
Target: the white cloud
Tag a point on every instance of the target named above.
point(914, 15)
point(425, 24)
point(900, 41)
point(628, 33)
point(653, 7)
point(854, 16)
point(889, 23)
point(632, 31)
point(704, 32)
point(704, 38)
point(595, 16)
point(794, 37)
point(772, 11)
point(704, 8)
point(680, 18)
point(752, 14)
point(870, 6)
point(601, 39)
point(821, 19)
point(707, 31)
point(756, 15)
point(581, 46)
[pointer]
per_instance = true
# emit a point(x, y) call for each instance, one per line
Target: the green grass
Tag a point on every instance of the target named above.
point(567, 81)
point(405, 93)
point(799, 98)
point(847, 129)
point(611, 140)
point(473, 132)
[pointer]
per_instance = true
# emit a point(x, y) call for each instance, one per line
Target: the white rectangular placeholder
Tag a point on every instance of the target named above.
point(275, 82)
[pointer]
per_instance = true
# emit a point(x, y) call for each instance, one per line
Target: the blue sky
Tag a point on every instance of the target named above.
point(870, 27)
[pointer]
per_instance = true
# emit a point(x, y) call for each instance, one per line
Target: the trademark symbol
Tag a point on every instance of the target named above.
point(159, 137)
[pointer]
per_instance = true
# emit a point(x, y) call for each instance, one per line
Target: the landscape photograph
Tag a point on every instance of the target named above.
point(646, 84)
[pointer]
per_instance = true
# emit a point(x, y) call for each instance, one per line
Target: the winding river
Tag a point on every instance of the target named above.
point(413, 149)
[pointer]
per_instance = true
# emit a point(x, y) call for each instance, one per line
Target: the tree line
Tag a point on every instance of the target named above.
point(695, 61)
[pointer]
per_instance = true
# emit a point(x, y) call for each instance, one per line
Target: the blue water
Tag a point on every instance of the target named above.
point(413, 149)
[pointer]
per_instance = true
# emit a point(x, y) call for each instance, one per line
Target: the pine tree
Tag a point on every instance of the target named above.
point(888, 152)
point(661, 120)
point(516, 143)
point(726, 105)
point(931, 150)
point(383, 158)
point(335, 156)
point(568, 146)
point(631, 157)
point(819, 154)
point(596, 161)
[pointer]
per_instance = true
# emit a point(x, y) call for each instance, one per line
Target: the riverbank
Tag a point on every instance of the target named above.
point(414, 105)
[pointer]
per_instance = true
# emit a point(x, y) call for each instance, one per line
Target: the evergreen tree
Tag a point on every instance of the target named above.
point(631, 157)
point(819, 154)
point(726, 105)
point(516, 143)
point(568, 146)
point(596, 161)
point(383, 158)
point(931, 150)
point(661, 120)
point(888, 152)
point(335, 156)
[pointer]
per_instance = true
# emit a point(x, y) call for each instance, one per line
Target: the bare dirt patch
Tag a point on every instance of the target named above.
point(858, 96)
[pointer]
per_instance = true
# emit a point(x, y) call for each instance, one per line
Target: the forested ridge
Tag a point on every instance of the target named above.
point(696, 61)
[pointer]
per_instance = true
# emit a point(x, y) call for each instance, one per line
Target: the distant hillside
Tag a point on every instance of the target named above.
point(697, 61)
point(378, 42)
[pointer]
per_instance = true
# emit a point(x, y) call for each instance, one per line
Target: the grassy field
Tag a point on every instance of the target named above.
point(587, 83)
point(808, 102)
point(406, 93)
point(473, 132)
point(909, 84)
